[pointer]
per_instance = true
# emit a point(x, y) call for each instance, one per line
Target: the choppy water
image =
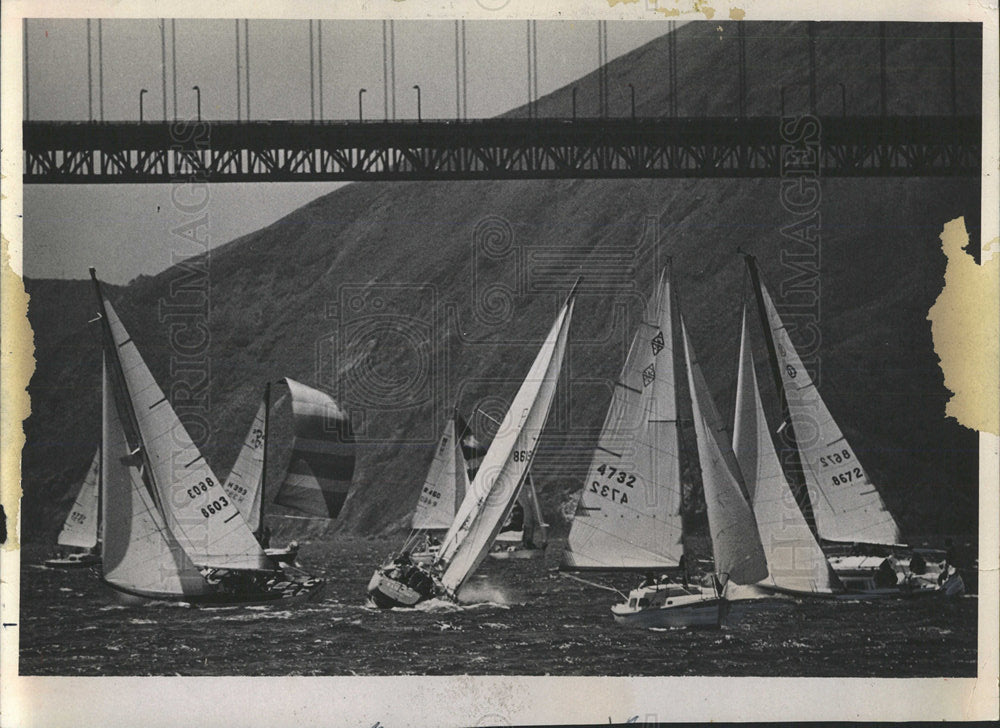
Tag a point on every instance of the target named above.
point(525, 620)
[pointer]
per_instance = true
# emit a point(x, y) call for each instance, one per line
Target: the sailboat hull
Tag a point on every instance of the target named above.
point(386, 592)
point(280, 590)
point(699, 611)
point(78, 560)
point(671, 605)
point(516, 553)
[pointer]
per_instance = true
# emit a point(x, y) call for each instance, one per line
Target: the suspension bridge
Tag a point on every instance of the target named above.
point(529, 147)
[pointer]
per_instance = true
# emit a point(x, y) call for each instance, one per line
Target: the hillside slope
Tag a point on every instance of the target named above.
point(404, 298)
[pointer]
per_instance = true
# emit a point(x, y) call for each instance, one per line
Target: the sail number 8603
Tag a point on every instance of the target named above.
point(215, 506)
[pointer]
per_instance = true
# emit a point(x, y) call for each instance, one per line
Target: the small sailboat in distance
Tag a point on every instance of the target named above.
point(525, 534)
point(80, 530)
point(170, 530)
point(491, 495)
point(442, 493)
point(629, 515)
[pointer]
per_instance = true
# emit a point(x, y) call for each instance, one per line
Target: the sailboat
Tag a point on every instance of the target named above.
point(848, 510)
point(493, 491)
point(320, 470)
point(525, 534)
point(80, 529)
point(443, 490)
point(170, 530)
point(628, 517)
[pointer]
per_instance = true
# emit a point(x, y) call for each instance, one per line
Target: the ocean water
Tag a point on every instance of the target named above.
point(523, 618)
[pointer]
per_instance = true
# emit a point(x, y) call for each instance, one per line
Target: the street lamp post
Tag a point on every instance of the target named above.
point(198, 94)
point(415, 86)
point(361, 115)
point(142, 93)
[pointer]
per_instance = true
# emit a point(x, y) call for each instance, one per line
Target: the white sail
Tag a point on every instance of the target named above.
point(138, 553)
point(500, 477)
point(795, 560)
point(199, 514)
point(439, 497)
point(245, 484)
point(628, 515)
point(736, 547)
point(80, 527)
point(845, 502)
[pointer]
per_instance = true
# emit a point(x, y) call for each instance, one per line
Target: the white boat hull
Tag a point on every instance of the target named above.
point(671, 605)
point(698, 612)
point(514, 552)
point(77, 560)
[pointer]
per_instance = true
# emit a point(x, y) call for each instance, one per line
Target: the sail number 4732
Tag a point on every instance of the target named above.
point(614, 476)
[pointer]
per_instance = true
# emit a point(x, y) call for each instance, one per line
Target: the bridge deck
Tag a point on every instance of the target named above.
point(277, 151)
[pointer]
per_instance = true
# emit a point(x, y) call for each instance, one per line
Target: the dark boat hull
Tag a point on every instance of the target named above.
point(280, 591)
point(386, 592)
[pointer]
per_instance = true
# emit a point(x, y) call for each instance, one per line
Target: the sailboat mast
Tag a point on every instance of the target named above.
point(788, 431)
point(263, 461)
point(109, 346)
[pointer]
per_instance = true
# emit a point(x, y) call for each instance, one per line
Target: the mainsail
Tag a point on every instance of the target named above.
point(198, 513)
point(628, 516)
point(80, 528)
point(795, 560)
point(500, 477)
point(446, 483)
point(323, 454)
point(137, 552)
point(845, 502)
point(736, 545)
point(245, 484)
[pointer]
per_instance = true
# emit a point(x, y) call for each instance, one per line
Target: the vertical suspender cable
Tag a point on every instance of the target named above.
point(392, 66)
point(527, 37)
point(27, 94)
point(173, 55)
point(881, 55)
point(954, 79)
point(319, 63)
point(607, 89)
point(811, 25)
point(534, 55)
point(465, 79)
point(246, 57)
point(741, 26)
point(100, 70)
point(312, 87)
point(385, 70)
point(239, 82)
point(458, 78)
point(163, 65)
point(600, 72)
point(90, 81)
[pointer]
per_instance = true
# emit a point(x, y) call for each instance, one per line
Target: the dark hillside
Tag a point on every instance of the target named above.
point(405, 297)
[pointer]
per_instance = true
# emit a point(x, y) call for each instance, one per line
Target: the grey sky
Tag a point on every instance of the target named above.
point(124, 229)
